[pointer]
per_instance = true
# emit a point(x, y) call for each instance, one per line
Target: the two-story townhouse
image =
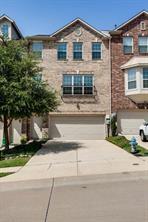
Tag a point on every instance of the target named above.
point(9, 29)
point(129, 68)
point(76, 63)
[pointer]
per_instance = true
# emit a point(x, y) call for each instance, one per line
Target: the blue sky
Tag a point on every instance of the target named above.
point(46, 16)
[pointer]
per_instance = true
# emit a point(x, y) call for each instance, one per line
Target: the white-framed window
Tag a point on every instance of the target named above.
point(145, 77)
point(132, 84)
point(77, 84)
point(143, 44)
point(96, 50)
point(37, 48)
point(62, 51)
point(128, 44)
point(77, 50)
point(5, 30)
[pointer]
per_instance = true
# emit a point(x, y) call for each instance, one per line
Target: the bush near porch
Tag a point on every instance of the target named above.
point(124, 143)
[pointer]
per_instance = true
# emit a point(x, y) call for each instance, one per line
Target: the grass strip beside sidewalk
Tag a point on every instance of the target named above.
point(124, 143)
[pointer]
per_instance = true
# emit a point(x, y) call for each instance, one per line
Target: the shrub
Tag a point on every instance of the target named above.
point(23, 139)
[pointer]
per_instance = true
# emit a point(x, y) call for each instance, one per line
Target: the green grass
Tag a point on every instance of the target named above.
point(4, 174)
point(14, 162)
point(122, 142)
point(19, 155)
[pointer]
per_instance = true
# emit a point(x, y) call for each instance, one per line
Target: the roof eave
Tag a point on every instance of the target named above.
point(131, 19)
point(83, 22)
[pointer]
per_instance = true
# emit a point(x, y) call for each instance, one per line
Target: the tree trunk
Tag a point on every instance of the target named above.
point(6, 134)
point(27, 129)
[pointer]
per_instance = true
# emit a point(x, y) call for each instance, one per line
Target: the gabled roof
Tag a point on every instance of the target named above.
point(13, 23)
point(82, 22)
point(131, 19)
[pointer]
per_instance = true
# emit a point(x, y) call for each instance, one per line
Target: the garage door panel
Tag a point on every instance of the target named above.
point(77, 127)
point(129, 122)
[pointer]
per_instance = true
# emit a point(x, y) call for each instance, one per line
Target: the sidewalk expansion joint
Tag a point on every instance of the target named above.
point(49, 201)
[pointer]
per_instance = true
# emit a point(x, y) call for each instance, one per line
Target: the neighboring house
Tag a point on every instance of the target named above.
point(129, 67)
point(76, 63)
point(10, 30)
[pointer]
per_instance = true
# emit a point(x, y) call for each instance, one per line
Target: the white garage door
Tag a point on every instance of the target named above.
point(129, 122)
point(73, 127)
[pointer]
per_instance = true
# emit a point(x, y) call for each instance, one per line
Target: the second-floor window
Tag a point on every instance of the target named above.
point(62, 51)
point(77, 50)
point(5, 30)
point(143, 44)
point(96, 50)
point(145, 77)
point(77, 84)
point(37, 48)
point(127, 44)
point(132, 78)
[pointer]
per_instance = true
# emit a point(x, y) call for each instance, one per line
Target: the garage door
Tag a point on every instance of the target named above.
point(74, 127)
point(129, 122)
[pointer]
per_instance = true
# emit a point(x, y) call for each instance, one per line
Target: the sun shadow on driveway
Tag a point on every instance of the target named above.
point(61, 146)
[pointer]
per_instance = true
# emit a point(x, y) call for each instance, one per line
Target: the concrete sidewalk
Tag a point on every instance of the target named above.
point(76, 158)
point(10, 169)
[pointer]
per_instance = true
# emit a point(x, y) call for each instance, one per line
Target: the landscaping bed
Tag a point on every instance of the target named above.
point(124, 143)
point(19, 155)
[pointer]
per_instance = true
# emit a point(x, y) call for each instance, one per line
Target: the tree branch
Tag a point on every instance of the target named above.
point(10, 121)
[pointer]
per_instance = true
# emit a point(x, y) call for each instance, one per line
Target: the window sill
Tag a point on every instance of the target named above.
point(78, 60)
point(96, 60)
point(130, 53)
point(62, 60)
point(78, 96)
point(143, 53)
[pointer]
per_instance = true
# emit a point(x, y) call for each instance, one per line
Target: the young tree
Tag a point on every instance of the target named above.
point(21, 95)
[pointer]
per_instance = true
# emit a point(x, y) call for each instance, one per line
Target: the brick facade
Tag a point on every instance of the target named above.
point(119, 100)
point(53, 71)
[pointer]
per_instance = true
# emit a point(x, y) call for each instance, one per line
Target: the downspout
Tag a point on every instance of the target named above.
point(110, 73)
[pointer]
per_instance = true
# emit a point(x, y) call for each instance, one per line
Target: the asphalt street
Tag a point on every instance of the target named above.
point(105, 198)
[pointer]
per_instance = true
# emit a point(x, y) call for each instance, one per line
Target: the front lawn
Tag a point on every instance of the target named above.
point(19, 155)
point(4, 174)
point(123, 142)
point(19, 161)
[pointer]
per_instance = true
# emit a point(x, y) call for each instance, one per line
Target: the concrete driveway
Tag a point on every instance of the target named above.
point(76, 158)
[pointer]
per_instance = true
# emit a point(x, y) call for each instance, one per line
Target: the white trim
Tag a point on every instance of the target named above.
point(13, 22)
point(81, 21)
point(128, 21)
point(6, 17)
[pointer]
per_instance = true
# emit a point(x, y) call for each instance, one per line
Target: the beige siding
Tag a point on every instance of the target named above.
point(16, 131)
point(36, 126)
